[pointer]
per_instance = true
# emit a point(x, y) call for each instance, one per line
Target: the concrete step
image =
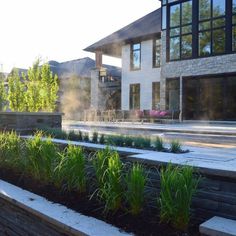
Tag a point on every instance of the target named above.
point(218, 226)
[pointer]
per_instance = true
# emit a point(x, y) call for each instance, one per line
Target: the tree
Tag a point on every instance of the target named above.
point(3, 94)
point(49, 89)
point(33, 88)
point(16, 92)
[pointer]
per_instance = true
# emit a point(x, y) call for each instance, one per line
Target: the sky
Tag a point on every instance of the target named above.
point(60, 29)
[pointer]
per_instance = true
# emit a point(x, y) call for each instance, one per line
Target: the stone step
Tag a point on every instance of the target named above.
point(218, 226)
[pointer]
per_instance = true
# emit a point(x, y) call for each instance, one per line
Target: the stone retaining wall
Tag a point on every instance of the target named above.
point(15, 221)
point(27, 121)
point(216, 195)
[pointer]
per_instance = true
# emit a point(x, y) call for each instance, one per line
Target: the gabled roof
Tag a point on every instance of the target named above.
point(145, 27)
point(80, 67)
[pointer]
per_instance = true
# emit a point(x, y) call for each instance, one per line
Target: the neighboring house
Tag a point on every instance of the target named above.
point(75, 85)
point(77, 96)
point(194, 44)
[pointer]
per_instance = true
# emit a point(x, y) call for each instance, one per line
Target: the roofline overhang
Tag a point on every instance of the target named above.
point(118, 45)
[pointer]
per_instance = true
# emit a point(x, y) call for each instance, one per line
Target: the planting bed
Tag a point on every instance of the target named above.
point(144, 224)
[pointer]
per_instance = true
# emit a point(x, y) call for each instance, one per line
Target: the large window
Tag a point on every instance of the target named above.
point(157, 53)
point(199, 28)
point(135, 57)
point(212, 23)
point(134, 96)
point(156, 95)
point(234, 25)
point(180, 30)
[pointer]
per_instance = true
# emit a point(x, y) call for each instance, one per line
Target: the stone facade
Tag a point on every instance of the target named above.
point(195, 67)
point(145, 77)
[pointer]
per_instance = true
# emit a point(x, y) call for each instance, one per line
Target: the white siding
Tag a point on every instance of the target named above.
point(144, 77)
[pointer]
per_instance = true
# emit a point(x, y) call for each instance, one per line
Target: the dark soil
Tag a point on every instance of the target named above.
point(146, 224)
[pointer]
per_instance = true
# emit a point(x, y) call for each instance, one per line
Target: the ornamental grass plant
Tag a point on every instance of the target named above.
point(178, 185)
point(135, 181)
point(42, 156)
point(71, 172)
point(159, 144)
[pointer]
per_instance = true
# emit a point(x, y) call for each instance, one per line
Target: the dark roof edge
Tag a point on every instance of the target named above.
point(93, 47)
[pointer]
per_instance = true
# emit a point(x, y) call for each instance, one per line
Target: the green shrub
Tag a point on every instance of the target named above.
point(55, 133)
point(80, 136)
point(95, 137)
point(178, 185)
point(42, 157)
point(72, 136)
point(159, 144)
point(71, 169)
point(141, 142)
point(86, 137)
point(175, 146)
point(102, 139)
point(135, 182)
point(128, 141)
point(115, 140)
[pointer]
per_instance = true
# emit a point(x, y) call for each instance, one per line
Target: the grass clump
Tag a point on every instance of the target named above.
point(71, 169)
point(175, 146)
point(86, 137)
point(178, 185)
point(102, 139)
point(42, 157)
point(159, 144)
point(141, 142)
point(135, 182)
point(108, 170)
point(95, 137)
point(10, 150)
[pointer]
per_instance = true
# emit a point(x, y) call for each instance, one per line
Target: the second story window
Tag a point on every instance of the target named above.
point(211, 27)
point(157, 53)
point(180, 31)
point(135, 57)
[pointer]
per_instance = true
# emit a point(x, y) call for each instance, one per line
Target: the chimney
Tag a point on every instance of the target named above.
point(98, 59)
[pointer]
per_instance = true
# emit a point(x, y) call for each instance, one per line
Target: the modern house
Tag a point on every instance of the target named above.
point(179, 57)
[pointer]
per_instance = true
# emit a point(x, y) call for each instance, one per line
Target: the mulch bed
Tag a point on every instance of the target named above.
point(144, 225)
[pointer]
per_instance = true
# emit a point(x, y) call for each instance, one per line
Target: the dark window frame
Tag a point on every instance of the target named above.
point(132, 68)
point(155, 94)
point(212, 29)
point(195, 29)
point(154, 50)
point(134, 94)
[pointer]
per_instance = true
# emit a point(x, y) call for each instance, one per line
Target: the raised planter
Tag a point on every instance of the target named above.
point(24, 213)
point(28, 121)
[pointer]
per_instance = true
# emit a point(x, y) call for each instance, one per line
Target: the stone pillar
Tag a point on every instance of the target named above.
point(163, 77)
point(94, 91)
point(181, 98)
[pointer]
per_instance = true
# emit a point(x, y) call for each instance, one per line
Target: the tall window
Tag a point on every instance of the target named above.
point(134, 96)
point(180, 30)
point(212, 23)
point(234, 25)
point(156, 52)
point(135, 57)
point(156, 95)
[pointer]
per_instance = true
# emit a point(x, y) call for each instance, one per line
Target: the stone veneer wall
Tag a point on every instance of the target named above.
point(195, 67)
point(27, 121)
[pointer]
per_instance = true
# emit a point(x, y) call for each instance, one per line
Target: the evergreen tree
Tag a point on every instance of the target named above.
point(16, 92)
